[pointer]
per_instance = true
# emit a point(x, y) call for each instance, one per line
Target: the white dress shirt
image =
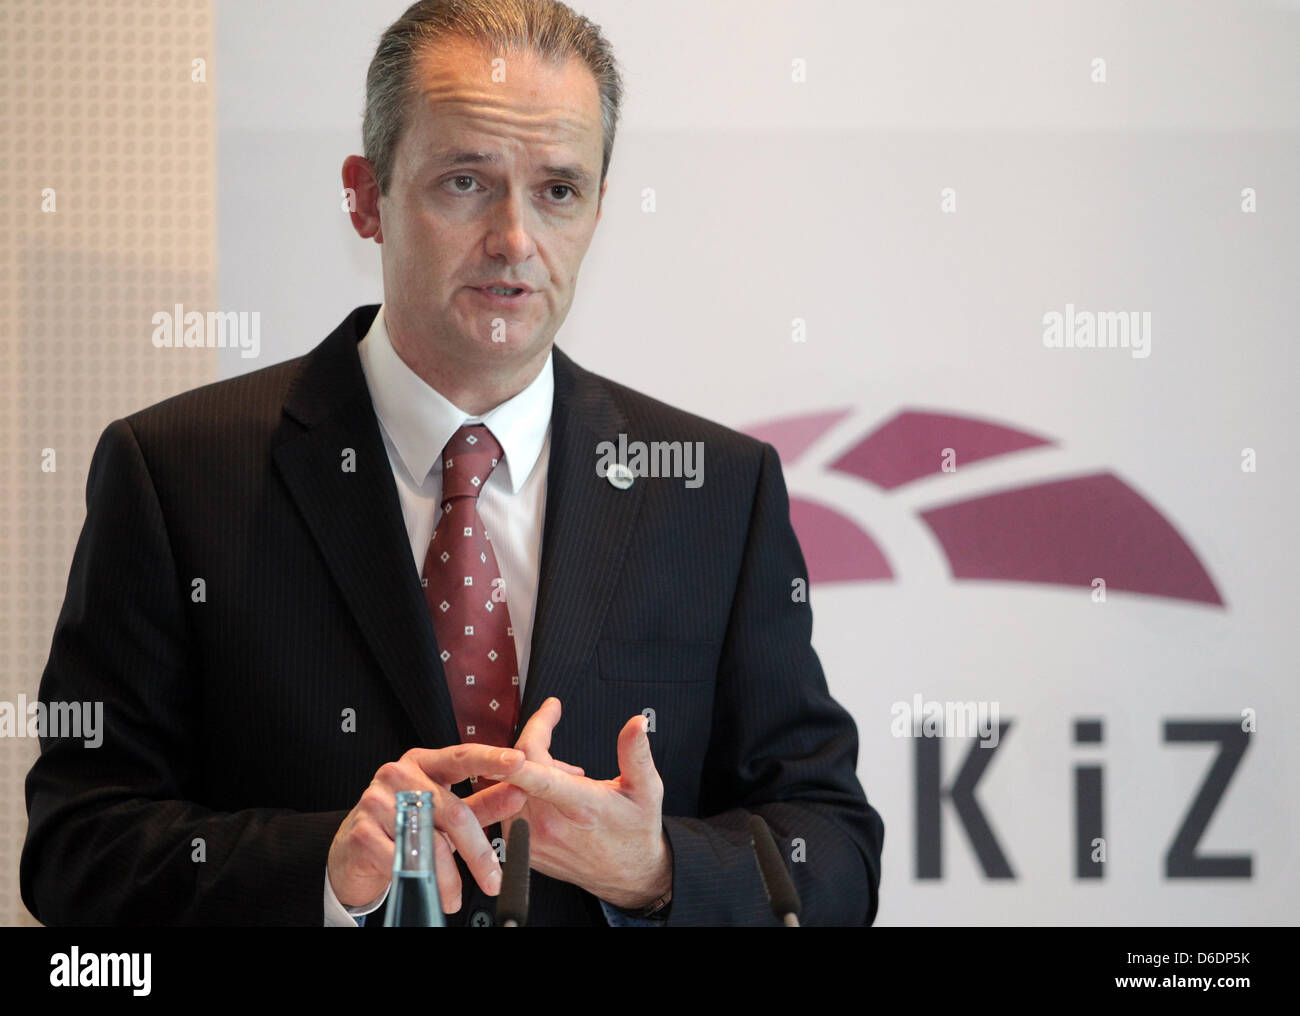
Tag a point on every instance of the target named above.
point(416, 422)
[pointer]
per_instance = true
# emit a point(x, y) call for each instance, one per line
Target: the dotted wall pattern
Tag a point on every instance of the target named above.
point(107, 216)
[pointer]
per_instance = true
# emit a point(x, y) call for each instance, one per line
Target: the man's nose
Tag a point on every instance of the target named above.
point(509, 230)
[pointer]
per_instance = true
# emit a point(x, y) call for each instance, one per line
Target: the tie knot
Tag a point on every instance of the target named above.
point(468, 460)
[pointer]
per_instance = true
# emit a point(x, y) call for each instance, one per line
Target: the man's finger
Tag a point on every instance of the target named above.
point(459, 762)
point(575, 797)
point(455, 818)
point(449, 887)
point(535, 738)
point(636, 764)
point(497, 803)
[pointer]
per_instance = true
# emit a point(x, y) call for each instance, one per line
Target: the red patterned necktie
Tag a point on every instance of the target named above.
point(466, 597)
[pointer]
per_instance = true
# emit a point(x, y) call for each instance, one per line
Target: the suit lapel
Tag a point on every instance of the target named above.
point(356, 521)
point(588, 524)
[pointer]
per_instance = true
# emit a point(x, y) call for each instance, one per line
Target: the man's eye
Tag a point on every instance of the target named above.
point(456, 180)
point(562, 187)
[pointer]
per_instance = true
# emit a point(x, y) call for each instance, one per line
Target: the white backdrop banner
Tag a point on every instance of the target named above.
point(1011, 288)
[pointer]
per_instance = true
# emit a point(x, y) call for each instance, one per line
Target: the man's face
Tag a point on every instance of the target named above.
point(492, 182)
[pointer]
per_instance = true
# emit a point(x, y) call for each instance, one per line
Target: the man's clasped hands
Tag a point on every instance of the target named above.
point(605, 836)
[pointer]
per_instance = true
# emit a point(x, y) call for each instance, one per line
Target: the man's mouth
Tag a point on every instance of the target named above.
point(503, 291)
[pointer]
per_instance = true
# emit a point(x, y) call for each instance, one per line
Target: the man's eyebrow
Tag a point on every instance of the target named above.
point(574, 174)
point(463, 157)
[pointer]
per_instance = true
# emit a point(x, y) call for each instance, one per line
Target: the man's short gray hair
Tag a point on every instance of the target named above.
point(546, 28)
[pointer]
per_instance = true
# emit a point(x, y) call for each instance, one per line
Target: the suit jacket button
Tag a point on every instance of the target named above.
point(480, 919)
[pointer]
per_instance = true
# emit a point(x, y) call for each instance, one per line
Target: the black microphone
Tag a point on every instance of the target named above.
point(512, 901)
point(781, 893)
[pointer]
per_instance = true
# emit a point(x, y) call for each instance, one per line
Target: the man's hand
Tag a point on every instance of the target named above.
point(361, 857)
point(605, 836)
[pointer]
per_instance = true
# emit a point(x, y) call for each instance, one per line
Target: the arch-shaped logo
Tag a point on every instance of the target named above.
point(1063, 532)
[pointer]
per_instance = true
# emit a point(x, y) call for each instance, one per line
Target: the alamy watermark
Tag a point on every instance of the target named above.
point(680, 459)
point(75, 969)
point(84, 720)
point(920, 718)
point(1106, 329)
point(218, 329)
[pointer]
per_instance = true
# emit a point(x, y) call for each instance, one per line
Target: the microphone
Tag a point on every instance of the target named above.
point(512, 901)
point(781, 893)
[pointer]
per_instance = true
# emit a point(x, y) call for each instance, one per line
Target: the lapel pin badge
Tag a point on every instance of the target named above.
point(619, 475)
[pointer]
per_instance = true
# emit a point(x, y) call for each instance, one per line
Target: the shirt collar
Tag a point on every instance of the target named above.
point(420, 421)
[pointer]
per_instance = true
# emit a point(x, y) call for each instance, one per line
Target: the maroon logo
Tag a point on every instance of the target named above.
point(1059, 532)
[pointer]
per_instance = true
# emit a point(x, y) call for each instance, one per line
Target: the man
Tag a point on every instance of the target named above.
point(379, 566)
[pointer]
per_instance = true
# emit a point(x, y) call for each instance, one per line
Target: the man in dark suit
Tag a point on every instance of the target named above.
point(258, 596)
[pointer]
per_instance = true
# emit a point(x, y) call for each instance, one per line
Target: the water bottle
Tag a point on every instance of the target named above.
point(413, 897)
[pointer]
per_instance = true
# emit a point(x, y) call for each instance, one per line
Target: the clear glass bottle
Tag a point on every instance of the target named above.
point(413, 897)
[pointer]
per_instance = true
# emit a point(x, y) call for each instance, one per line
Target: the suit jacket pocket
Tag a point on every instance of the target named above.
point(669, 662)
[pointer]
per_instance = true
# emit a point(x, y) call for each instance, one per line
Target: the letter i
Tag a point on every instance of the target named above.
point(1089, 843)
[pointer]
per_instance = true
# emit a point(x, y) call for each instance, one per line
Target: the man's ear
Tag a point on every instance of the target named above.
point(600, 201)
point(361, 197)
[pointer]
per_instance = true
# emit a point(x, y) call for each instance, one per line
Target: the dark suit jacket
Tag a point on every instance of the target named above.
point(225, 768)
